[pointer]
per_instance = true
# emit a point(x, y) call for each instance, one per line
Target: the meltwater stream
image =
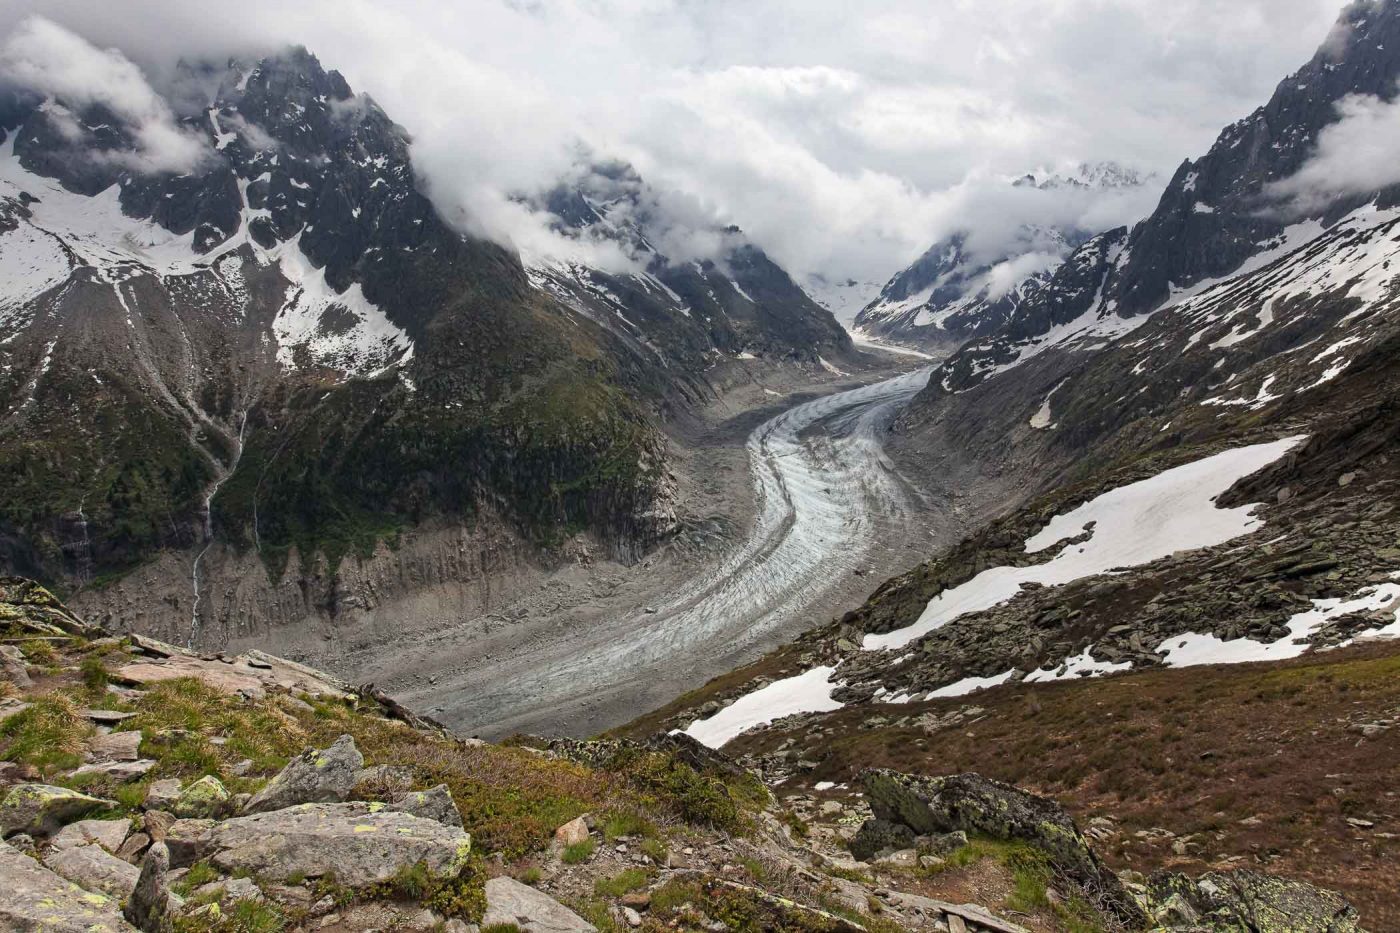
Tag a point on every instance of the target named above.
point(824, 491)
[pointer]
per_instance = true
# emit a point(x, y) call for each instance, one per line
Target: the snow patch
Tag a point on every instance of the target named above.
point(809, 692)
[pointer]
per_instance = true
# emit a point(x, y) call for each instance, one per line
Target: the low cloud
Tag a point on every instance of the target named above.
point(46, 58)
point(1354, 156)
point(843, 143)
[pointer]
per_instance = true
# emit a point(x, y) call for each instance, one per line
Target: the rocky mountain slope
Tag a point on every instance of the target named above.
point(1206, 477)
point(961, 288)
point(285, 349)
point(143, 787)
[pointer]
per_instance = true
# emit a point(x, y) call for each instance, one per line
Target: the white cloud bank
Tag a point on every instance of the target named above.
point(844, 140)
point(1355, 155)
point(46, 58)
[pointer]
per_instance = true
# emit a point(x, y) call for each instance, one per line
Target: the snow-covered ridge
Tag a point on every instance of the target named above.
point(342, 330)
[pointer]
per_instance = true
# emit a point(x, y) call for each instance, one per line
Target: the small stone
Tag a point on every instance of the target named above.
point(123, 772)
point(132, 849)
point(1360, 823)
point(571, 833)
point(12, 667)
point(115, 746)
point(633, 918)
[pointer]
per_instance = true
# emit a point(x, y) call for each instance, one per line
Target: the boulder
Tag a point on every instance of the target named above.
point(973, 803)
point(435, 803)
point(42, 809)
point(34, 899)
point(109, 834)
point(150, 907)
point(162, 794)
point(508, 902)
point(878, 837)
point(94, 868)
point(1247, 900)
point(359, 843)
point(12, 667)
point(157, 823)
point(205, 799)
point(314, 776)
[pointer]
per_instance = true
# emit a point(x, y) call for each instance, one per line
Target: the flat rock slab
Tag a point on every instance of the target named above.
point(249, 675)
point(36, 900)
point(360, 843)
point(508, 902)
point(121, 771)
point(106, 717)
point(109, 834)
point(94, 868)
point(115, 746)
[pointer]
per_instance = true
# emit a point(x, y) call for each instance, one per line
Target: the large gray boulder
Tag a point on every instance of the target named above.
point(94, 868)
point(435, 803)
point(35, 900)
point(975, 804)
point(326, 776)
point(508, 902)
point(1247, 900)
point(42, 809)
point(359, 843)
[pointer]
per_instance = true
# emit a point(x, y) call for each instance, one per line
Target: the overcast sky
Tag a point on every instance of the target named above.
point(843, 137)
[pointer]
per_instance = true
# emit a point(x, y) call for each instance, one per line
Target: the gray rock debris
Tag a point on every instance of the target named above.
point(1247, 900)
point(326, 776)
point(109, 834)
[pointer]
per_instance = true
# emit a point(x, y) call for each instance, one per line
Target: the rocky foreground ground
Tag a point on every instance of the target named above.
point(143, 787)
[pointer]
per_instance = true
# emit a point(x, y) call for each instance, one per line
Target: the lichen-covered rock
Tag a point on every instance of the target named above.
point(94, 868)
point(1247, 900)
point(109, 834)
point(973, 803)
point(205, 799)
point(359, 843)
point(34, 899)
point(877, 836)
point(510, 903)
point(435, 803)
point(187, 841)
point(150, 907)
point(42, 809)
point(325, 776)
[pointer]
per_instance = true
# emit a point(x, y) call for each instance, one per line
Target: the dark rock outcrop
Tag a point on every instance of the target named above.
point(975, 804)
